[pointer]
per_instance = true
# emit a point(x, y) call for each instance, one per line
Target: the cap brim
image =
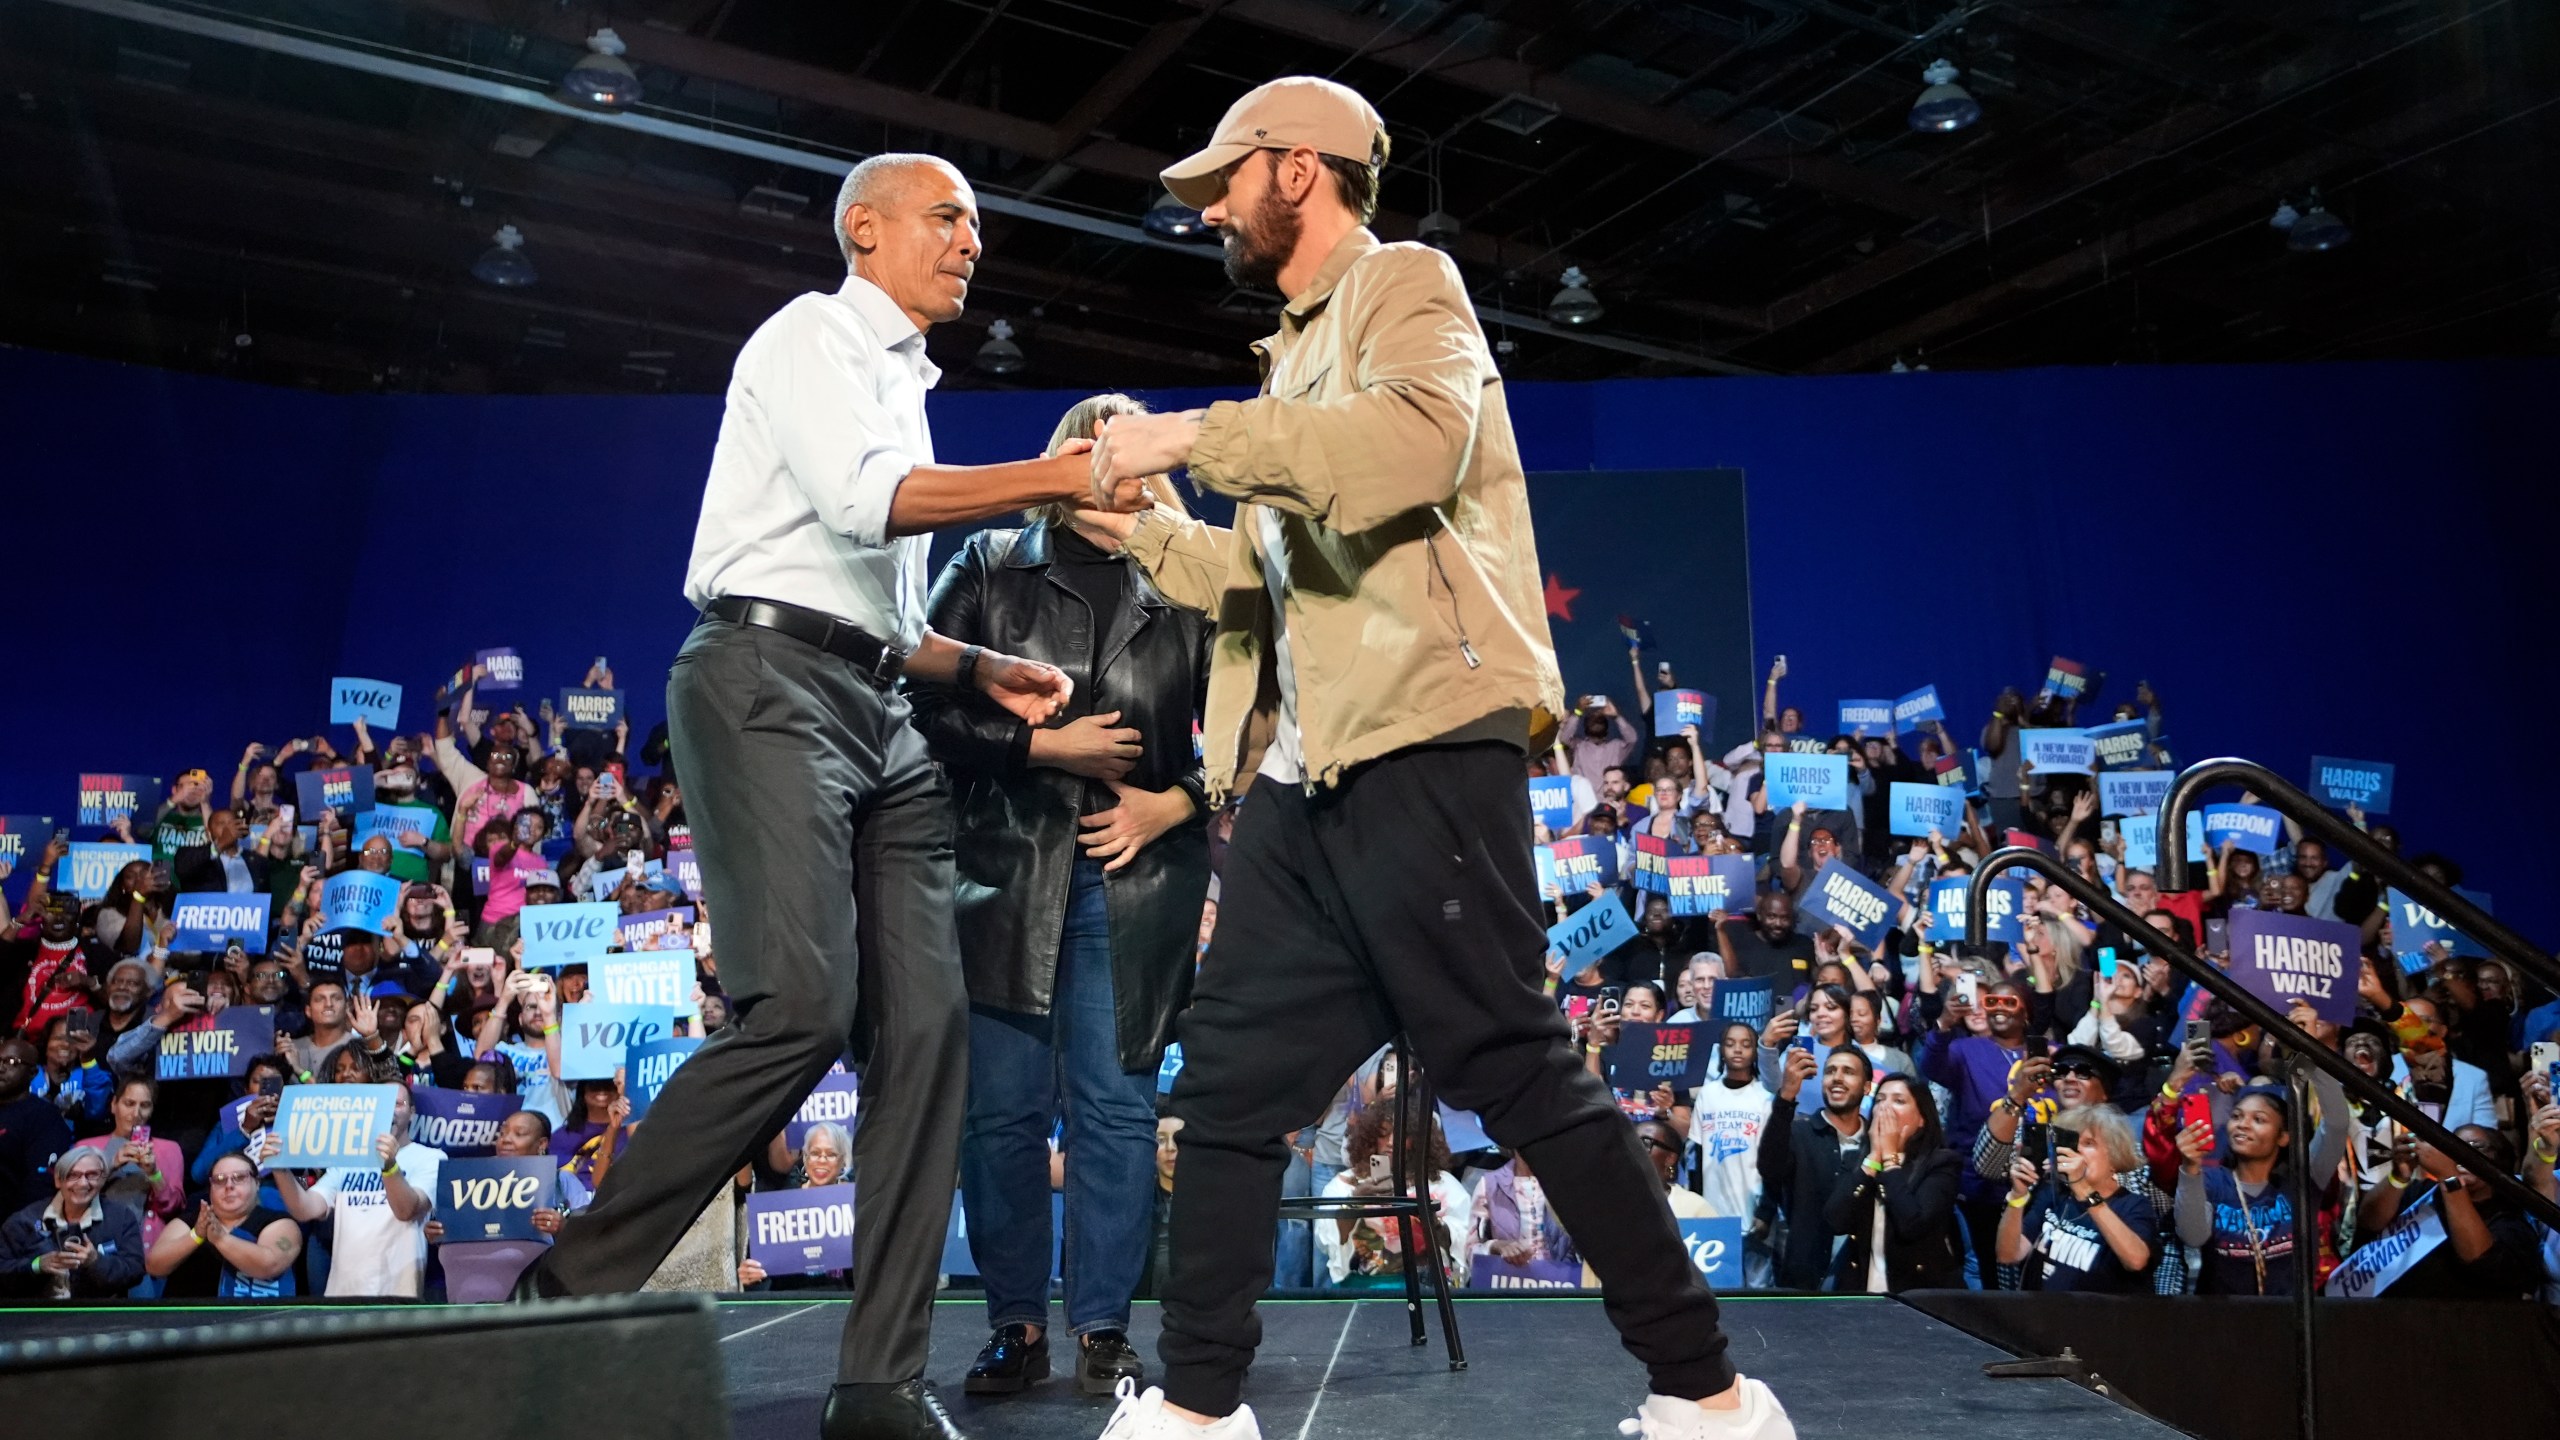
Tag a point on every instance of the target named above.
point(1198, 179)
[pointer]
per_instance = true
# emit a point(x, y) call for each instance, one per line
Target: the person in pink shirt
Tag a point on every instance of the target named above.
point(144, 1170)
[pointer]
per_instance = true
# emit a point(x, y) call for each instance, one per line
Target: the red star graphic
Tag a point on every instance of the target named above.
point(1560, 598)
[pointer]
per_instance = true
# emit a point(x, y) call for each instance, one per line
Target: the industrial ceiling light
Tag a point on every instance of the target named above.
point(602, 79)
point(1575, 304)
point(2285, 216)
point(1174, 220)
point(504, 264)
point(1439, 230)
point(1000, 356)
point(2317, 229)
point(1945, 105)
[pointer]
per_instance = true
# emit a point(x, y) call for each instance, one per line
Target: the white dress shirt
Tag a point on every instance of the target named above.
point(825, 417)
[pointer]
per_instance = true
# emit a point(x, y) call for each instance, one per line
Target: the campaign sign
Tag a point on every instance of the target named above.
point(22, 836)
point(2413, 928)
point(1582, 860)
point(1715, 1247)
point(2066, 677)
point(2463, 944)
point(2253, 828)
point(2133, 792)
point(1488, 1272)
point(347, 789)
point(358, 900)
point(1948, 771)
point(590, 709)
point(1918, 708)
point(647, 1068)
point(1873, 716)
point(1705, 884)
point(375, 702)
point(2057, 752)
point(2362, 783)
point(332, 1127)
point(656, 929)
point(1590, 932)
point(2120, 746)
point(595, 1036)
point(808, 1231)
point(1749, 1001)
point(1839, 895)
point(108, 798)
point(1808, 743)
point(214, 1047)
point(1650, 1055)
point(557, 935)
point(459, 1122)
point(1169, 1069)
point(1463, 1130)
point(1820, 781)
point(1949, 902)
point(688, 872)
point(837, 1098)
point(1675, 708)
point(210, 922)
point(499, 669)
point(2141, 841)
point(87, 870)
point(1653, 864)
point(658, 978)
point(1551, 802)
point(480, 875)
point(393, 821)
point(493, 1199)
point(1918, 808)
point(1544, 857)
point(2282, 958)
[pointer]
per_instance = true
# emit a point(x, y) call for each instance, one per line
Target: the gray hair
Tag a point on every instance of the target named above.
point(63, 1162)
point(842, 1138)
point(871, 182)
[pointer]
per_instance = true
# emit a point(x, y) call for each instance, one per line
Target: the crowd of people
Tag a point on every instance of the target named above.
point(2062, 1113)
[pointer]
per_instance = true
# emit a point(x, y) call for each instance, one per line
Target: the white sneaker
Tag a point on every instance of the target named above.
point(1144, 1417)
point(1665, 1417)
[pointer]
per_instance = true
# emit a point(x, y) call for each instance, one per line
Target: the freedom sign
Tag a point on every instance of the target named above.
point(1590, 932)
point(839, 1098)
point(2133, 792)
point(2058, 751)
point(494, 1199)
point(2254, 828)
point(557, 935)
point(1820, 781)
point(2282, 958)
point(1875, 717)
point(332, 1127)
point(1551, 802)
point(595, 1037)
point(1705, 884)
point(1675, 708)
point(590, 709)
point(459, 1122)
point(808, 1231)
point(1841, 896)
point(375, 702)
point(211, 922)
point(2365, 784)
point(1917, 708)
point(108, 798)
point(358, 900)
point(215, 1047)
point(87, 870)
point(1918, 809)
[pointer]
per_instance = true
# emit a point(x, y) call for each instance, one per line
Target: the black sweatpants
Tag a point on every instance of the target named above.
point(825, 837)
point(1400, 898)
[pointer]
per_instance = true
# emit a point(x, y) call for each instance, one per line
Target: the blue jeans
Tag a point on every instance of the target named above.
point(1024, 1071)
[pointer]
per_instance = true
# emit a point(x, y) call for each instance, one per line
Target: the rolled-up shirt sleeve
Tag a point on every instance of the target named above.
point(818, 385)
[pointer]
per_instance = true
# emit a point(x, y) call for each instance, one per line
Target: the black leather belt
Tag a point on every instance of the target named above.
point(878, 660)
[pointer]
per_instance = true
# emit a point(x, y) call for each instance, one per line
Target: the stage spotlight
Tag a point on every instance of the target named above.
point(2317, 229)
point(504, 264)
point(1574, 304)
point(1945, 105)
point(1174, 220)
point(2285, 217)
point(1439, 230)
point(602, 79)
point(1000, 356)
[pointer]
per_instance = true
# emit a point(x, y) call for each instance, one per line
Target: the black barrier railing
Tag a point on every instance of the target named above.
point(2305, 1049)
point(2370, 855)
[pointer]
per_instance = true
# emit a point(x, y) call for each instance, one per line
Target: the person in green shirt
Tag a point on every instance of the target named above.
point(180, 823)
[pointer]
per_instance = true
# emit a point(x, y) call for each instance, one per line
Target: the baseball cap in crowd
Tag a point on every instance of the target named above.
point(536, 879)
point(1295, 110)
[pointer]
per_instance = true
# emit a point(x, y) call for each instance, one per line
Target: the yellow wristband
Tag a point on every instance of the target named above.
point(2019, 1202)
point(391, 1169)
point(2394, 1181)
point(196, 1235)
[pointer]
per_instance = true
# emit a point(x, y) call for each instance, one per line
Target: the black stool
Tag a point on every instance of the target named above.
point(1410, 1204)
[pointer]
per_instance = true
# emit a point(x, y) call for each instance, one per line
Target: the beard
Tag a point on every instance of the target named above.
point(1259, 244)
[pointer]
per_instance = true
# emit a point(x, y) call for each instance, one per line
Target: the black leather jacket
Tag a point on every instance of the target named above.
point(1016, 846)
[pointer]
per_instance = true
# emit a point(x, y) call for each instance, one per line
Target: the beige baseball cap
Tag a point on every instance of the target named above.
point(1294, 110)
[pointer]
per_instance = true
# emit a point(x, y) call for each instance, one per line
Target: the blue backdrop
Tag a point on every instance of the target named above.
point(2328, 559)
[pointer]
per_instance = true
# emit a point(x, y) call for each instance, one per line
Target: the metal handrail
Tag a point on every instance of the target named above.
point(2229, 991)
point(2280, 795)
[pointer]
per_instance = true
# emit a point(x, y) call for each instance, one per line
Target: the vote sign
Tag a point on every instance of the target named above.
point(595, 1036)
point(108, 797)
point(1653, 864)
point(808, 1231)
point(375, 702)
point(1590, 932)
point(215, 1047)
point(661, 978)
point(557, 935)
point(332, 1127)
point(1715, 1248)
point(87, 870)
point(1839, 895)
point(494, 1199)
point(2283, 958)
point(1582, 860)
point(1704, 884)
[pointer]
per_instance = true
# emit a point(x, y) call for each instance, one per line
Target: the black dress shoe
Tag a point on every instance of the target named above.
point(1012, 1362)
point(1104, 1360)
point(908, 1410)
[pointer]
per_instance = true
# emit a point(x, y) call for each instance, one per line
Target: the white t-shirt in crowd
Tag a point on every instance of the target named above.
point(371, 1250)
point(1725, 1124)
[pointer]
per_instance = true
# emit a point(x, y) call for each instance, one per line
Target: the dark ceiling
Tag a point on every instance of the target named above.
point(1737, 178)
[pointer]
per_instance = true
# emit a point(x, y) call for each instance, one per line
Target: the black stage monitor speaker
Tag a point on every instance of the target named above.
point(631, 1367)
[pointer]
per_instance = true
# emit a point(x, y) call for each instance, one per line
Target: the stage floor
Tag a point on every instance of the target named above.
point(1847, 1366)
